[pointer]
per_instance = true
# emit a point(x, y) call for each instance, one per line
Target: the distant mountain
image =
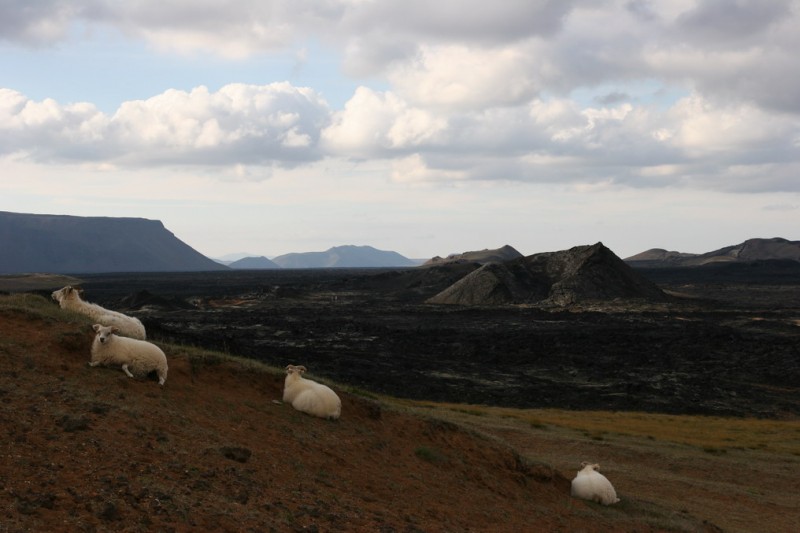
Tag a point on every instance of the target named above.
point(227, 259)
point(659, 255)
point(64, 244)
point(505, 253)
point(749, 251)
point(344, 256)
point(253, 263)
point(580, 274)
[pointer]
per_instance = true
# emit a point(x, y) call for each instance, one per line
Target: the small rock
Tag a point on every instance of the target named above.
point(241, 455)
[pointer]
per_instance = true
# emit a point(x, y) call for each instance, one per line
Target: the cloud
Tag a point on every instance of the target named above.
point(720, 23)
point(695, 143)
point(522, 91)
point(460, 77)
point(376, 124)
point(37, 23)
point(276, 124)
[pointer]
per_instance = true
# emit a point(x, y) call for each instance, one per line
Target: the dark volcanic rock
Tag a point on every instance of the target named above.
point(728, 348)
point(580, 274)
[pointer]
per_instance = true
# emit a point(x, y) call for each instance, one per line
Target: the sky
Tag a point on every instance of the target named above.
point(426, 128)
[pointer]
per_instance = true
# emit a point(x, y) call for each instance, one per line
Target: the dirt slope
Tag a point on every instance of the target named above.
point(88, 449)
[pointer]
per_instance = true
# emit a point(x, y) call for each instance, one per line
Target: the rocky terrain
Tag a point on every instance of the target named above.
point(725, 341)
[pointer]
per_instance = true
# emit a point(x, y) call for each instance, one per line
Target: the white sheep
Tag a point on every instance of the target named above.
point(591, 485)
point(309, 396)
point(70, 298)
point(135, 355)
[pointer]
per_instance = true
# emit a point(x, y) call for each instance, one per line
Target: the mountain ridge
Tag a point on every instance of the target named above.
point(755, 249)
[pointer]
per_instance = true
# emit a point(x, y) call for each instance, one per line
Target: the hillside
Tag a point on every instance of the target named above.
point(215, 449)
point(580, 274)
point(66, 244)
point(342, 257)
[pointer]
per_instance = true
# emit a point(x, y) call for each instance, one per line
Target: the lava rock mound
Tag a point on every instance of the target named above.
point(578, 275)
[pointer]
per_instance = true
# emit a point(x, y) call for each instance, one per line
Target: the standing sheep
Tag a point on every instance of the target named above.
point(135, 355)
point(591, 485)
point(309, 396)
point(70, 298)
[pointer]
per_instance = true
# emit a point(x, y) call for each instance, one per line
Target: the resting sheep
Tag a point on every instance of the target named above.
point(309, 396)
point(70, 298)
point(591, 485)
point(135, 355)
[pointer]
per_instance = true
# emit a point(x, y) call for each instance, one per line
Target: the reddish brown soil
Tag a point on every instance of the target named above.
point(88, 449)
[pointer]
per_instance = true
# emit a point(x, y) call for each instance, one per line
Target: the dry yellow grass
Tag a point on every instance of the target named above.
point(707, 432)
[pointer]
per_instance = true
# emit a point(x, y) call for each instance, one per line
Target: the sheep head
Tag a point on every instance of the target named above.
point(104, 333)
point(61, 294)
point(67, 293)
point(292, 369)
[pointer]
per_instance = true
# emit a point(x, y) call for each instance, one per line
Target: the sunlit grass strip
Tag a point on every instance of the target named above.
point(708, 432)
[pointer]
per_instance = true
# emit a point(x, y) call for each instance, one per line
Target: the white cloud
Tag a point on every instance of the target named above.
point(375, 124)
point(461, 77)
point(270, 124)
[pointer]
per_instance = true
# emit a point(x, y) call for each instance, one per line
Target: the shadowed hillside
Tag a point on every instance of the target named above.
point(67, 244)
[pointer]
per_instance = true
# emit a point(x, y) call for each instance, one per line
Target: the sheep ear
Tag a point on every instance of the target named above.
point(96, 327)
point(301, 369)
point(596, 466)
point(584, 464)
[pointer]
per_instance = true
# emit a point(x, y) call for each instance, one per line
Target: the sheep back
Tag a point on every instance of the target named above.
point(69, 298)
point(128, 326)
point(141, 357)
point(589, 484)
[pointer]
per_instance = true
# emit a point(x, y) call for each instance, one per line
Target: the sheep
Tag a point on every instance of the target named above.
point(140, 356)
point(309, 396)
point(70, 298)
point(591, 485)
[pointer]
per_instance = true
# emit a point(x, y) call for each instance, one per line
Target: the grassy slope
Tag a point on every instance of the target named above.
point(89, 449)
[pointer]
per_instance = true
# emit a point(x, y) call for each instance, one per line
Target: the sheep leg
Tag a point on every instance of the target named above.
point(94, 363)
point(125, 369)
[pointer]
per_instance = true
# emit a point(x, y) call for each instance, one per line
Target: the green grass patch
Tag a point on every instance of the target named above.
point(430, 455)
